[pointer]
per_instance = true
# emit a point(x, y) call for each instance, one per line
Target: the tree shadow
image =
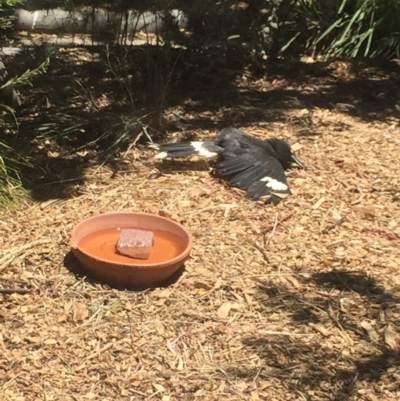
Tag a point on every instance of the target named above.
point(319, 373)
point(79, 111)
point(359, 282)
point(175, 166)
point(322, 305)
point(321, 368)
point(367, 91)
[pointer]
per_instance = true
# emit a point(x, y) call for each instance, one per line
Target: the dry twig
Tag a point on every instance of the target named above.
point(7, 291)
point(334, 225)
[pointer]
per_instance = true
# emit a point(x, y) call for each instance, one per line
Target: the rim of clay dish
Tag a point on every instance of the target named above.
point(168, 262)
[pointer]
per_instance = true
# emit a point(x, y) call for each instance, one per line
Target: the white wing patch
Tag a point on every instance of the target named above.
point(202, 151)
point(275, 185)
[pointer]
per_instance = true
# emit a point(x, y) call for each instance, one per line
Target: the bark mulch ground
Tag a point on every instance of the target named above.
point(295, 302)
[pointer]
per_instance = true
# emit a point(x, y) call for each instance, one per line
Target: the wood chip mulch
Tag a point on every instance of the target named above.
point(295, 302)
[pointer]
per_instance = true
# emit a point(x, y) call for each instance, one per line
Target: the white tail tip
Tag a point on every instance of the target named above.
point(161, 155)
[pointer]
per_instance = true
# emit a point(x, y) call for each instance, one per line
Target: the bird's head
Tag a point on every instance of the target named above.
point(284, 153)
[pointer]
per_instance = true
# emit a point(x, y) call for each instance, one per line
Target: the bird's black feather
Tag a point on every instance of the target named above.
point(255, 165)
point(247, 177)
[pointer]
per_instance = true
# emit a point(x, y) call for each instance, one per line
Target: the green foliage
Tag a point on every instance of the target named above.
point(28, 76)
point(11, 162)
point(351, 28)
point(6, 21)
point(10, 179)
point(142, 78)
point(255, 29)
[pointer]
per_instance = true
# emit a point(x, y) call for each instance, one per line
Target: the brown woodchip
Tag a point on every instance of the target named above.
point(295, 302)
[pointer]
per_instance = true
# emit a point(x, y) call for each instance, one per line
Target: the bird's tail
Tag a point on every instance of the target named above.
point(205, 149)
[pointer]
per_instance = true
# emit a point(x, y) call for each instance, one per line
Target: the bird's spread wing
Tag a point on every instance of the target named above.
point(255, 171)
point(235, 142)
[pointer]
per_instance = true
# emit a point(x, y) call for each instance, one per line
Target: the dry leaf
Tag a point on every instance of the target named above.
point(218, 283)
point(171, 346)
point(48, 203)
point(248, 298)
point(202, 285)
point(81, 312)
point(221, 387)
point(61, 319)
point(164, 294)
point(159, 387)
point(391, 338)
point(319, 203)
point(296, 146)
point(372, 334)
point(321, 329)
point(50, 341)
point(242, 385)
point(223, 310)
point(34, 339)
point(336, 215)
point(369, 211)
point(293, 281)
point(180, 364)
point(160, 328)
point(236, 306)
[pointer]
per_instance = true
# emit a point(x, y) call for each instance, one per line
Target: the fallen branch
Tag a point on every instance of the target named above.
point(263, 253)
point(273, 228)
point(334, 225)
point(265, 231)
point(266, 242)
point(7, 291)
point(390, 236)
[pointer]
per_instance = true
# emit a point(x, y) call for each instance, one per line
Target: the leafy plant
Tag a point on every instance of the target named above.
point(5, 6)
point(11, 162)
point(350, 28)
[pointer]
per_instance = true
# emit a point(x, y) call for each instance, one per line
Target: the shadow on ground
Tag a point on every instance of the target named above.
point(81, 112)
point(72, 264)
point(322, 370)
point(320, 374)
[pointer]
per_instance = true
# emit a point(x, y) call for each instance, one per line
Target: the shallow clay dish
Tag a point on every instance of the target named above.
point(93, 243)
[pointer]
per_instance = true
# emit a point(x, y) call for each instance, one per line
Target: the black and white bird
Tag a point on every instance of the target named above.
point(255, 165)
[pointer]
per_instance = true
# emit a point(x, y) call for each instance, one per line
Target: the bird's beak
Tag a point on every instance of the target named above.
point(297, 161)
